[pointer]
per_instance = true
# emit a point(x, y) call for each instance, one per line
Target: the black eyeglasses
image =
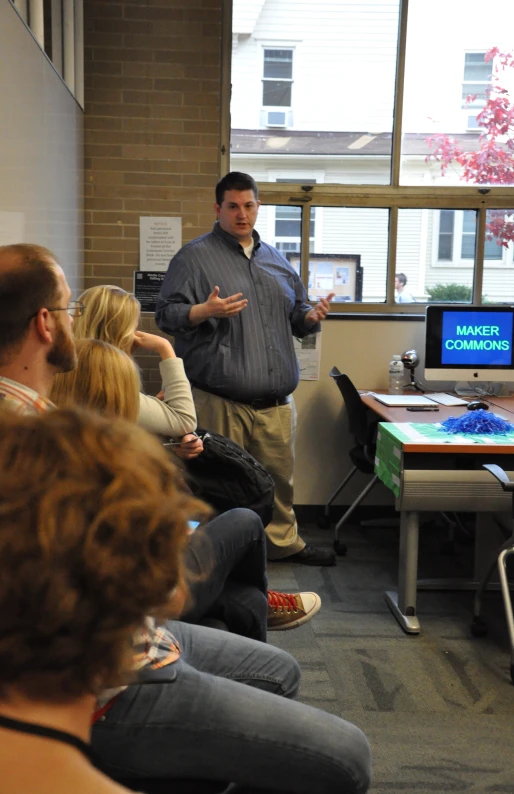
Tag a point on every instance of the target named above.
point(74, 309)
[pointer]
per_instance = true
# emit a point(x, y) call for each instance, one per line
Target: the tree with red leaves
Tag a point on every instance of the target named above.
point(493, 162)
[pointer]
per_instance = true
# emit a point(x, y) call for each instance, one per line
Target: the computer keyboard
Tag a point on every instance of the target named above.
point(446, 399)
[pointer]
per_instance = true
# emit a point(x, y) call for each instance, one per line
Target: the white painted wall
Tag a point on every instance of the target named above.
point(41, 151)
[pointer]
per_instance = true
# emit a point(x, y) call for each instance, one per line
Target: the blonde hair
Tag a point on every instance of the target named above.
point(93, 520)
point(105, 379)
point(110, 314)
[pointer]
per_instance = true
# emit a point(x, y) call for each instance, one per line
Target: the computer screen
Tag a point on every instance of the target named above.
point(469, 343)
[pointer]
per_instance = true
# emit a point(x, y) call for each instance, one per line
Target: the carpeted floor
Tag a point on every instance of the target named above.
point(438, 707)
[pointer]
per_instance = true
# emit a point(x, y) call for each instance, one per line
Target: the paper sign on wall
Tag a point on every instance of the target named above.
point(159, 241)
point(308, 353)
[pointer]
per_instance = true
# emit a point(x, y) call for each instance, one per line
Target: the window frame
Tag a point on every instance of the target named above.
point(298, 178)
point(392, 197)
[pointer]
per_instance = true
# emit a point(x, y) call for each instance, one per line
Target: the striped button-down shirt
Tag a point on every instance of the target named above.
point(21, 399)
point(250, 356)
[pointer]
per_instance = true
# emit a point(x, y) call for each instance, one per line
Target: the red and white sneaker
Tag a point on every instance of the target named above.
point(290, 610)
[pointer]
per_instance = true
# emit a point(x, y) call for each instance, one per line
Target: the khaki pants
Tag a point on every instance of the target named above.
point(269, 436)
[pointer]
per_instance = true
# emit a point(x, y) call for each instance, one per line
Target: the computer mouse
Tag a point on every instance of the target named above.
point(474, 405)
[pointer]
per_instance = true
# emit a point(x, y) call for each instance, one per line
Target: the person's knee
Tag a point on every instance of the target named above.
point(247, 521)
point(290, 674)
point(358, 761)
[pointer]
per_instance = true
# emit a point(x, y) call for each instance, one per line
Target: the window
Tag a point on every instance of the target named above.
point(491, 251)
point(446, 230)
point(59, 30)
point(409, 192)
point(498, 281)
point(457, 238)
point(288, 224)
point(288, 228)
point(346, 235)
point(277, 80)
point(477, 83)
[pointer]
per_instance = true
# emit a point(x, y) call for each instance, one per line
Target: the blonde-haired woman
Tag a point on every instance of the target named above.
point(232, 550)
point(104, 379)
point(112, 315)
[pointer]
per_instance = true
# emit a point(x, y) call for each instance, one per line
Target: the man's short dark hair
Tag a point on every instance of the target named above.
point(28, 283)
point(402, 278)
point(235, 180)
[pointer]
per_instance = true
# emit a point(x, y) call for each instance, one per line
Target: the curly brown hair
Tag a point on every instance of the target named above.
point(93, 525)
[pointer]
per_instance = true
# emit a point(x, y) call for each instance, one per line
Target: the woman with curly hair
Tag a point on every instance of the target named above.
point(93, 530)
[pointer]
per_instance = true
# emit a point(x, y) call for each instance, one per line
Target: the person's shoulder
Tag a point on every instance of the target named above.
point(192, 253)
point(196, 244)
point(273, 253)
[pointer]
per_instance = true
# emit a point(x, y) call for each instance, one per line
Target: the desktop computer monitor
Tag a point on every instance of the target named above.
point(469, 343)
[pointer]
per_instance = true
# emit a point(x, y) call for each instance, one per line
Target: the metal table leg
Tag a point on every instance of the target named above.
point(403, 603)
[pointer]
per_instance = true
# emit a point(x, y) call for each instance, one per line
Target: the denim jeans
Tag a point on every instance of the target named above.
point(227, 562)
point(224, 712)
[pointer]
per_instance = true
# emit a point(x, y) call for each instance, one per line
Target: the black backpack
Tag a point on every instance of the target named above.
point(226, 476)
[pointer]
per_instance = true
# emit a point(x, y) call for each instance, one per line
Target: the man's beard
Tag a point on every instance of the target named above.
point(63, 356)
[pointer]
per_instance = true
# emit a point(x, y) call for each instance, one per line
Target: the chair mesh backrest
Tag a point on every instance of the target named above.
point(357, 412)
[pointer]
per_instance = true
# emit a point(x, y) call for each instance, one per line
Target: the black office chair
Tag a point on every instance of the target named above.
point(479, 626)
point(362, 455)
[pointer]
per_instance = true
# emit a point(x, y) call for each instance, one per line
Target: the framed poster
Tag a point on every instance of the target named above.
point(338, 273)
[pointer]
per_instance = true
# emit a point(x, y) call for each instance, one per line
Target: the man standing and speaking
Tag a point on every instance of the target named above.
point(233, 304)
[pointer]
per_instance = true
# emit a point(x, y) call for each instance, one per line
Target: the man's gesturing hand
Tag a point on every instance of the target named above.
point(215, 306)
point(224, 307)
point(320, 311)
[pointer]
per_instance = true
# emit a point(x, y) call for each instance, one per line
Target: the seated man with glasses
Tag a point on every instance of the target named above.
point(35, 343)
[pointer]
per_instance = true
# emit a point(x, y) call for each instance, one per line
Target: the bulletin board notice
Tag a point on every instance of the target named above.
point(147, 286)
point(159, 241)
point(308, 353)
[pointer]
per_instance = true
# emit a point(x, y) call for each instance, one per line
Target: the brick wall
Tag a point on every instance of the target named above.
point(152, 129)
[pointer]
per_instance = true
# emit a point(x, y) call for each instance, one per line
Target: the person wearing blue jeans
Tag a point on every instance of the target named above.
point(226, 559)
point(224, 712)
point(227, 562)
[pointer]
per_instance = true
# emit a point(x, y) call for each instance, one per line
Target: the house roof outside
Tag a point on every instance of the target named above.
point(365, 144)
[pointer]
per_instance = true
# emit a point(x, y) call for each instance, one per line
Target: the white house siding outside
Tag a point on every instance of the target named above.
point(342, 90)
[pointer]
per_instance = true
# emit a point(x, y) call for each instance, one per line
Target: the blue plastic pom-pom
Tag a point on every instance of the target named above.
point(479, 422)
